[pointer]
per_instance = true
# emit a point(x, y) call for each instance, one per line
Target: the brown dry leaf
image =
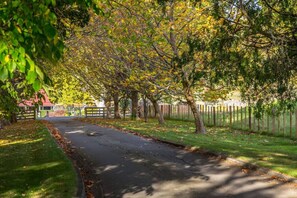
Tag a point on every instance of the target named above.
point(89, 183)
point(90, 195)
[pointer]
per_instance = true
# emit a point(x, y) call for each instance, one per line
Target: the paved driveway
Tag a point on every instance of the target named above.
point(131, 166)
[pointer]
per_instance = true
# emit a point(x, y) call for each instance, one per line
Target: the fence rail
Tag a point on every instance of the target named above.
point(100, 112)
point(237, 117)
point(27, 113)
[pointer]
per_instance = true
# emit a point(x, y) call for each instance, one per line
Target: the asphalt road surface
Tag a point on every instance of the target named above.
point(131, 166)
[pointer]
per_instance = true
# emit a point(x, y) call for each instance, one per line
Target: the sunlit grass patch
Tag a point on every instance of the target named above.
point(32, 165)
point(277, 153)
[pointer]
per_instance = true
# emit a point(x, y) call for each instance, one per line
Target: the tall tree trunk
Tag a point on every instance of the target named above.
point(107, 105)
point(200, 128)
point(134, 98)
point(13, 117)
point(145, 109)
point(125, 106)
point(158, 112)
point(117, 114)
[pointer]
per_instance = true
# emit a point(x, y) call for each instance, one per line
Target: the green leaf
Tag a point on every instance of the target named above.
point(31, 63)
point(22, 64)
point(11, 66)
point(15, 3)
point(52, 17)
point(50, 31)
point(22, 51)
point(37, 85)
point(3, 74)
point(31, 76)
point(39, 73)
point(54, 2)
point(3, 47)
point(14, 54)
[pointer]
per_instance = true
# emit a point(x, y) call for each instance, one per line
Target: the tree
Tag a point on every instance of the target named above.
point(180, 32)
point(31, 34)
point(67, 89)
point(12, 93)
point(113, 61)
point(258, 42)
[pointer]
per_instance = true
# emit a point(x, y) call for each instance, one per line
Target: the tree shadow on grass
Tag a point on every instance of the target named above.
point(35, 167)
point(175, 173)
point(130, 166)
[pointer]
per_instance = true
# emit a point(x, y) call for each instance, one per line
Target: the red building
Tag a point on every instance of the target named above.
point(44, 103)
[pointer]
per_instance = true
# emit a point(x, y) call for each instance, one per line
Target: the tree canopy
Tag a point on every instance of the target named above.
point(183, 50)
point(31, 34)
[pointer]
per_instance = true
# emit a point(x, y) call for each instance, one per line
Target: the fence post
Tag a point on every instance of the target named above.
point(183, 112)
point(167, 110)
point(224, 120)
point(204, 110)
point(284, 123)
point(262, 123)
point(230, 111)
point(273, 123)
point(278, 123)
point(203, 113)
point(296, 123)
point(214, 115)
point(241, 118)
point(254, 125)
point(208, 116)
point(291, 123)
point(233, 115)
point(267, 122)
point(35, 110)
point(220, 116)
point(237, 115)
point(250, 117)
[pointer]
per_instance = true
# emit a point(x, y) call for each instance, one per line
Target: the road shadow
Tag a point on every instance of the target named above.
point(131, 166)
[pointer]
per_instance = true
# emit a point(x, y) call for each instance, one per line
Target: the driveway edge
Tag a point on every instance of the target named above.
point(80, 191)
point(245, 166)
point(85, 187)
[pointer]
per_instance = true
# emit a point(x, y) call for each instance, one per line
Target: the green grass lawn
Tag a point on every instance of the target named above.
point(32, 165)
point(277, 153)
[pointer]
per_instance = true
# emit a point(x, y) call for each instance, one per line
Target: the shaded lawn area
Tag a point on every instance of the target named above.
point(276, 153)
point(32, 165)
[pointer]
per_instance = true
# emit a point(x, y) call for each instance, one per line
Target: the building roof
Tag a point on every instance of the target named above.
point(44, 100)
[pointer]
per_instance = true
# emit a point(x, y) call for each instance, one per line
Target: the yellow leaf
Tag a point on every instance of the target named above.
point(7, 58)
point(18, 29)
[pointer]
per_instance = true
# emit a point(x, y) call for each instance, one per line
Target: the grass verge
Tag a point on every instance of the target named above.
point(276, 153)
point(32, 165)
